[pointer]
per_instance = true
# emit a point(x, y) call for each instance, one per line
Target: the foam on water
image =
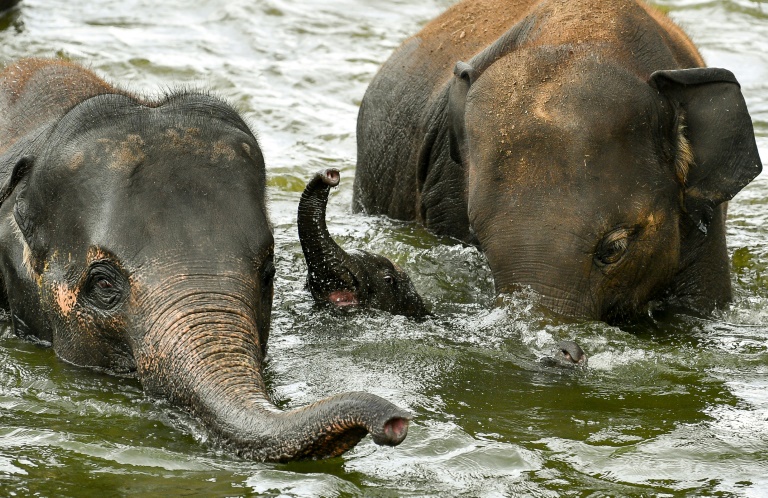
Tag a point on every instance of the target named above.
point(663, 409)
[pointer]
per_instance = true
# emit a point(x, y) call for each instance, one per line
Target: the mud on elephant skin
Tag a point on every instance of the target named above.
point(581, 145)
point(134, 238)
point(349, 278)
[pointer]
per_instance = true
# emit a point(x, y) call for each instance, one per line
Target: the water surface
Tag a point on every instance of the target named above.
point(680, 408)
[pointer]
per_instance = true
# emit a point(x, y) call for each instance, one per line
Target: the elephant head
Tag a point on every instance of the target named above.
point(598, 185)
point(135, 238)
point(349, 278)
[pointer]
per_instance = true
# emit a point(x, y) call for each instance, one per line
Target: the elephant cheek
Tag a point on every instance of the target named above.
point(646, 275)
point(65, 298)
point(83, 338)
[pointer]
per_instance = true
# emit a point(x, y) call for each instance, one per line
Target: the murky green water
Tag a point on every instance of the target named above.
point(676, 409)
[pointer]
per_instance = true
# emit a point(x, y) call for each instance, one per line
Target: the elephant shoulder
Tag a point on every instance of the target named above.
point(404, 167)
point(397, 113)
point(441, 181)
point(388, 130)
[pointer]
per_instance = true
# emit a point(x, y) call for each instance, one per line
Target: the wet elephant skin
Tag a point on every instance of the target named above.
point(135, 239)
point(581, 145)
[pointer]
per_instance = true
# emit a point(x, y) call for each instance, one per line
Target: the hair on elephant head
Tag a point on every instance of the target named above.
point(135, 239)
point(349, 278)
point(581, 146)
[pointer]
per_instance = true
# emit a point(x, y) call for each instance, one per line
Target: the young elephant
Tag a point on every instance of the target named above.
point(354, 278)
point(579, 143)
point(134, 238)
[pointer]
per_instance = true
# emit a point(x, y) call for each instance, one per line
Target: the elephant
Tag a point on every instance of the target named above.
point(582, 146)
point(135, 240)
point(349, 278)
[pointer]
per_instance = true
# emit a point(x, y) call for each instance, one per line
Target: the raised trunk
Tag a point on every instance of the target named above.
point(202, 353)
point(327, 263)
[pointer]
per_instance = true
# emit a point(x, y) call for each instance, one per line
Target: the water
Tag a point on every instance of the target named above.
point(679, 409)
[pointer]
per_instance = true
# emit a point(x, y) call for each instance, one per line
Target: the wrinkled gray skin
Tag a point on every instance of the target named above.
point(579, 144)
point(566, 354)
point(134, 239)
point(349, 278)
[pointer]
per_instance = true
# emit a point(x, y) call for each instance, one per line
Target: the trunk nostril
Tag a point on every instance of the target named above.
point(331, 177)
point(395, 430)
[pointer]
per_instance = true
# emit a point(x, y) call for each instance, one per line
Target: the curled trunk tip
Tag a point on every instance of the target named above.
point(393, 432)
point(256, 430)
point(330, 176)
point(331, 426)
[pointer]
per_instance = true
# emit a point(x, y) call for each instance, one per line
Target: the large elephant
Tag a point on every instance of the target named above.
point(134, 238)
point(579, 143)
point(349, 278)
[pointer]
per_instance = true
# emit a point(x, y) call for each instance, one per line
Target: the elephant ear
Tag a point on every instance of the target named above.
point(465, 74)
point(720, 134)
point(12, 171)
point(17, 161)
point(16, 166)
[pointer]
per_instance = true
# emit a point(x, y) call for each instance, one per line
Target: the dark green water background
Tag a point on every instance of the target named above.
point(676, 409)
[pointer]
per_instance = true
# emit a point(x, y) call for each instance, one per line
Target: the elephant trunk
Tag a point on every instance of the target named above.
point(327, 263)
point(324, 429)
point(203, 354)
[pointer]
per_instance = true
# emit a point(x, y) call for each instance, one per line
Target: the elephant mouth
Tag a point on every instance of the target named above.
point(343, 298)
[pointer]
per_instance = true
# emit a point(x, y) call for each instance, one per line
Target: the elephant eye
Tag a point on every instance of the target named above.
point(389, 279)
point(103, 283)
point(105, 286)
point(613, 246)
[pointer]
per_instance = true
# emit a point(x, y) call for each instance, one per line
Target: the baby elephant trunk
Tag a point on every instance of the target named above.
point(354, 278)
point(327, 263)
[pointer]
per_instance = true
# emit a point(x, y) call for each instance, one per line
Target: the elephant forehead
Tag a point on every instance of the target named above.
point(553, 120)
point(119, 153)
point(191, 141)
point(125, 151)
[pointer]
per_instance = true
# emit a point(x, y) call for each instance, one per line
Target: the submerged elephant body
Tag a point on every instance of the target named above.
point(579, 144)
point(349, 278)
point(134, 238)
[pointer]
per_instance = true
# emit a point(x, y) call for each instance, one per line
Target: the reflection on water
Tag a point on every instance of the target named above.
point(665, 409)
